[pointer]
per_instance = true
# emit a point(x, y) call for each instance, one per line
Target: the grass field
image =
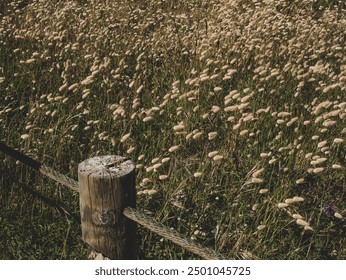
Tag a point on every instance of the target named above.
point(233, 112)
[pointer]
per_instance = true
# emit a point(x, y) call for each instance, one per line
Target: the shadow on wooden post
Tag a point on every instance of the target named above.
point(107, 186)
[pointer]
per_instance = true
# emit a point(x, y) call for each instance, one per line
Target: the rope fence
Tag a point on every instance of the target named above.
point(171, 234)
point(129, 212)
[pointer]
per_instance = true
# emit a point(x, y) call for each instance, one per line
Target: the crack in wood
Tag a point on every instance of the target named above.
point(116, 163)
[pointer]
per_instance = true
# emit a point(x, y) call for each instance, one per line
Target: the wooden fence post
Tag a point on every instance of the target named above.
point(107, 186)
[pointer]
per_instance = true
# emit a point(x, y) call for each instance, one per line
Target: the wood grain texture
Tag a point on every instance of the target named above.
point(107, 186)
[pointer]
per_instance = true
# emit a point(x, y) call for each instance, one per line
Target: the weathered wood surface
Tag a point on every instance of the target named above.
point(107, 186)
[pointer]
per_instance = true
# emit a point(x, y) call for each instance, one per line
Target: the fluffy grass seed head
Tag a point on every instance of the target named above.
point(163, 177)
point(263, 191)
point(301, 222)
point(338, 215)
point(125, 137)
point(213, 153)
point(282, 205)
point(256, 181)
point(173, 149)
point(217, 158)
point(25, 136)
point(261, 227)
point(297, 216)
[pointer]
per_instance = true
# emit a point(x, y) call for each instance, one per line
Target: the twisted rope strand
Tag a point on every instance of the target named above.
point(171, 234)
point(60, 178)
point(38, 166)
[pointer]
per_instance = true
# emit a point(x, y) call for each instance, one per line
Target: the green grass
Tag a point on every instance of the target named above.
point(149, 59)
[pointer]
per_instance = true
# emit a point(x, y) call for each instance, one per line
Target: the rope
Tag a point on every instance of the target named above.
point(60, 178)
point(45, 170)
point(171, 234)
point(19, 156)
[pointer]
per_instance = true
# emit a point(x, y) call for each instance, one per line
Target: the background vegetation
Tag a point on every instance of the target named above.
point(234, 112)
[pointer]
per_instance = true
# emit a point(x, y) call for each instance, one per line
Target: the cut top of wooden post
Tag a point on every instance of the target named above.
point(119, 166)
point(107, 187)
